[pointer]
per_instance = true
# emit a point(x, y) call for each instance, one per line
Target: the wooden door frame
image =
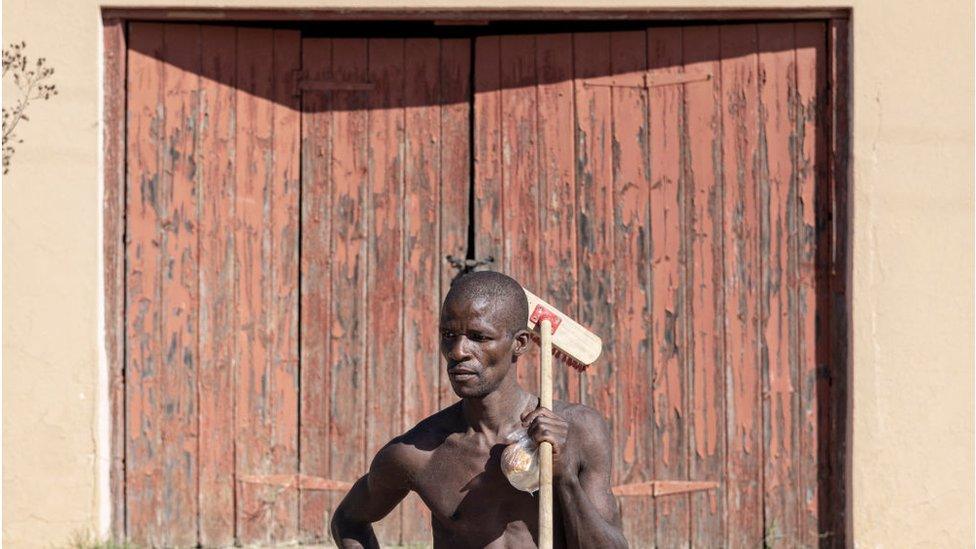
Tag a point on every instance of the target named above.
point(832, 287)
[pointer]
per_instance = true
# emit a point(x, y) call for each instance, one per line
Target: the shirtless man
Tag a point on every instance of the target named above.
point(451, 459)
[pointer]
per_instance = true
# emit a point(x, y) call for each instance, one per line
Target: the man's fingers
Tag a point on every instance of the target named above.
point(543, 429)
point(531, 415)
point(538, 412)
point(551, 440)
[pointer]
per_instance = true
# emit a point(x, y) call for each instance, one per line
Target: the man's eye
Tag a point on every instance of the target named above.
point(480, 337)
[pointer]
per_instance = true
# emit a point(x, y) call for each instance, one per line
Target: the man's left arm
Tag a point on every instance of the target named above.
point(581, 477)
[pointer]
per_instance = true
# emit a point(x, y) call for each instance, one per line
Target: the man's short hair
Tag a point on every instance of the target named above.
point(502, 291)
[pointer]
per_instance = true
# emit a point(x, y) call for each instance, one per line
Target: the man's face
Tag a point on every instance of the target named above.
point(479, 348)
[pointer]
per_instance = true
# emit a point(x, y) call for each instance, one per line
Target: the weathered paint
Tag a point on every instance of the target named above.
point(143, 169)
point(633, 431)
point(384, 303)
point(282, 232)
point(254, 121)
point(176, 202)
point(316, 290)
point(218, 350)
point(594, 212)
point(672, 190)
point(557, 187)
point(521, 244)
point(684, 189)
point(810, 167)
point(267, 277)
point(777, 82)
point(668, 261)
point(422, 256)
point(741, 270)
point(487, 160)
point(349, 185)
point(455, 172)
point(703, 172)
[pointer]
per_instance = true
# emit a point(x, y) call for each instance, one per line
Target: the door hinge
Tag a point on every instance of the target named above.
point(302, 482)
point(648, 80)
point(302, 83)
point(657, 488)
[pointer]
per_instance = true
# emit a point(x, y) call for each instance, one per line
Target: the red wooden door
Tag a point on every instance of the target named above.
point(384, 198)
point(212, 283)
point(283, 271)
point(659, 184)
point(290, 203)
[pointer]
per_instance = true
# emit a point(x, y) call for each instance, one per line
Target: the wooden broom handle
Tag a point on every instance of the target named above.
point(545, 449)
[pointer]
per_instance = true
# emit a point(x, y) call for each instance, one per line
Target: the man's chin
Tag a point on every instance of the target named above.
point(469, 391)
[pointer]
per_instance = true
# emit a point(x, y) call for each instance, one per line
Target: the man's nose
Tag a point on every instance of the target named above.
point(458, 350)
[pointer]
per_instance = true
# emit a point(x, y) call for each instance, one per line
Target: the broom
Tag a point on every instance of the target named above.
point(561, 336)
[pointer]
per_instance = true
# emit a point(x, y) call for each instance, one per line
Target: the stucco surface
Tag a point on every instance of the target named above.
point(912, 323)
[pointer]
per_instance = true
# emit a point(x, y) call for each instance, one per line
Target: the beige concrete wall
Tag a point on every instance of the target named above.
point(912, 389)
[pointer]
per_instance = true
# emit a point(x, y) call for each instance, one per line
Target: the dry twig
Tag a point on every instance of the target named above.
point(31, 80)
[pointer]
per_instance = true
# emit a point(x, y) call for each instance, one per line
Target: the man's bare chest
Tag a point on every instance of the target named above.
point(470, 497)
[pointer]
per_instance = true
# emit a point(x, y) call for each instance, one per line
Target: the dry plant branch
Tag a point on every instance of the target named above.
point(32, 82)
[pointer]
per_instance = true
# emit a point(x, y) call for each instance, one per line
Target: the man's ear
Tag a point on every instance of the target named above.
point(520, 343)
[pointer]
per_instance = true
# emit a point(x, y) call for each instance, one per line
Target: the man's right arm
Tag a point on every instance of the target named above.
point(371, 498)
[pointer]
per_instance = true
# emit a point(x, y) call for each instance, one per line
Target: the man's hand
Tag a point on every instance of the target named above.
point(544, 425)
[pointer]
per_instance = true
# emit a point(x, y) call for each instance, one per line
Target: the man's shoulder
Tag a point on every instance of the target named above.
point(410, 449)
point(588, 426)
point(580, 415)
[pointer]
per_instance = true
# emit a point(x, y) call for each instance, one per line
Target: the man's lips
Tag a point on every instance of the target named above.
point(462, 373)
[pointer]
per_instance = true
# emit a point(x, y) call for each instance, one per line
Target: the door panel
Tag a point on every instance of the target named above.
point(690, 249)
point(260, 380)
point(212, 294)
point(384, 198)
point(740, 145)
point(705, 347)
point(161, 456)
point(266, 247)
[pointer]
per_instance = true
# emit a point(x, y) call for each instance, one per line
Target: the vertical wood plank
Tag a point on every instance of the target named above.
point(668, 224)
point(703, 176)
point(777, 81)
point(741, 267)
point(520, 178)
point(316, 292)
point(594, 191)
point(421, 254)
point(255, 119)
point(177, 511)
point(146, 147)
point(810, 168)
point(557, 185)
point(488, 150)
point(455, 173)
point(113, 250)
point(384, 352)
point(282, 324)
point(349, 182)
point(633, 443)
point(218, 352)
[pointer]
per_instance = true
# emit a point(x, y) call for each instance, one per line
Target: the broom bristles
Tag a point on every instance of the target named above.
point(558, 354)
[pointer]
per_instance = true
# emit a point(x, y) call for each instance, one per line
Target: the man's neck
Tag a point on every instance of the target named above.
point(498, 412)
